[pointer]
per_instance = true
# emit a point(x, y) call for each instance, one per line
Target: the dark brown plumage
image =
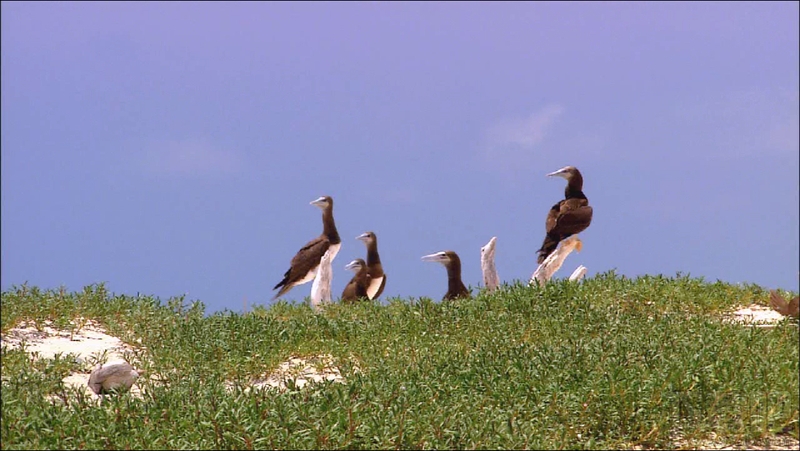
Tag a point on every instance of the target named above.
point(569, 216)
point(783, 306)
point(357, 287)
point(304, 264)
point(377, 278)
point(450, 260)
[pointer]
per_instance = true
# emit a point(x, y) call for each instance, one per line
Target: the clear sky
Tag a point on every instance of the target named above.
point(173, 148)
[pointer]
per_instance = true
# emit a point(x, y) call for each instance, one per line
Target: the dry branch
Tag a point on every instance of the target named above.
point(321, 288)
point(490, 277)
point(554, 261)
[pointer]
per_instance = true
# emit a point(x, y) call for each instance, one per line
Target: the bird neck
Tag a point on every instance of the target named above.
point(372, 254)
point(329, 226)
point(574, 189)
point(454, 276)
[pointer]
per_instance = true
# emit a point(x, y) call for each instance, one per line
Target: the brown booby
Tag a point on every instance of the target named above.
point(569, 216)
point(112, 377)
point(783, 306)
point(377, 278)
point(304, 264)
point(450, 260)
point(490, 277)
point(357, 288)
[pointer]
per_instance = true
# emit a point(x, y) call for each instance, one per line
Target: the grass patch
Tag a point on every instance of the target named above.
point(611, 362)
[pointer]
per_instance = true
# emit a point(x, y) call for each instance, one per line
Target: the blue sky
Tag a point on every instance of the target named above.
point(173, 148)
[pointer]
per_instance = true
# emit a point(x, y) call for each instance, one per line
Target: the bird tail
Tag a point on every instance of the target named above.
point(283, 283)
point(548, 246)
point(285, 289)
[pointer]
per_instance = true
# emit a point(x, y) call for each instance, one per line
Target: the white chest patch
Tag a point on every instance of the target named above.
point(334, 249)
point(374, 286)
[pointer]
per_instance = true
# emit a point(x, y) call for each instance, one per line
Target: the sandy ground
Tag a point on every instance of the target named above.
point(756, 315)
point(91, 345)
point(301, 370)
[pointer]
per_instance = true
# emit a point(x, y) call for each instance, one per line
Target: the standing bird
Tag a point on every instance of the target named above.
point(377, 278)
point(357, 287)
point(450, 260)
point(569, 216)
point(304, 265)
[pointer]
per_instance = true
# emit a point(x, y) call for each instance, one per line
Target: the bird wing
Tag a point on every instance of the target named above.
point(793, 308)
point(573, 219)
point(777, 302)
point(349, 293)
point(306, 259)
point(552, 217)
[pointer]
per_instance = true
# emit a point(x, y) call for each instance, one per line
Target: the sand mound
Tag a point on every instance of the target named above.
point(756, 316)
point(90, 344)
point(301, 371)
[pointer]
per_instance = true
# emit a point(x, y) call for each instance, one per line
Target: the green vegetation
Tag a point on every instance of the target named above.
point(610, 362)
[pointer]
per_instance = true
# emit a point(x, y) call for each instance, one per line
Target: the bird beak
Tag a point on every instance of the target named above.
point(319, 202)
point(559, 173)
point(353, 265)
point(363, 237)
point(437, 257)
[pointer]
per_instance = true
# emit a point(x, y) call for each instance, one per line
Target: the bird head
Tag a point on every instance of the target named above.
point(367, 237)
point(355, 265)
point(443, 257)
point(323, 202)
point(566, 172)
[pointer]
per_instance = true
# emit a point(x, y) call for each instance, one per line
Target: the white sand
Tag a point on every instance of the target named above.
point(303, 370)
point(756, 315)
point(91, 344)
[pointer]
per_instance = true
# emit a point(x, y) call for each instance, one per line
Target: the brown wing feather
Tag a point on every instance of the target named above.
point(572, 219)
point(356, 288)
point(568, 217)
point(306, 259)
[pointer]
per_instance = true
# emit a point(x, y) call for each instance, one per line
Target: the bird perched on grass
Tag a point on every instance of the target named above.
point(112, 377)
point(569, 216)
point(303, 267)
point(450, 260)
point(357, 287)
point(376, 276)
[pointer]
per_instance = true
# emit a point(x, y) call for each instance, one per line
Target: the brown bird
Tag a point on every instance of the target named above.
point(112, 377)
point(377, 278)
point(450, 260)
point(304, 264)
point(569, 216)
point(784, 307)
point(357, 287)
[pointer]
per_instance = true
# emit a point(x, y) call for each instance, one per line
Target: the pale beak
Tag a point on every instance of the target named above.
point(436, 257)
point(353, 265)
point(363, 237)
point(559, 173)
point(321, 202)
